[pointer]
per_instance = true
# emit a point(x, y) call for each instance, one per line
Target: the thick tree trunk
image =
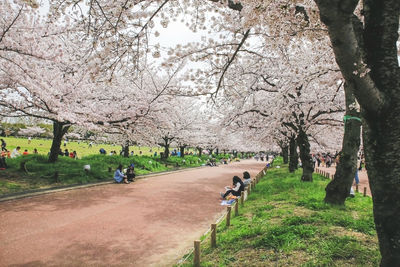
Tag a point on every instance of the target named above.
point(165, 145)
point(381, 147)
point(199, 149)
point(126, 149)
point(166, 151)
point(305, 156)
point(339, 188)
point(377, 85)
point(59, 130)
point(217, 151)
point(294, 157)
point(182, 150)
point(285, 153)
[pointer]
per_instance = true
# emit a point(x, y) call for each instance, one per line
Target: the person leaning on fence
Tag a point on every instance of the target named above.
point(236, 190)
point(119, 176)
point(246, 178)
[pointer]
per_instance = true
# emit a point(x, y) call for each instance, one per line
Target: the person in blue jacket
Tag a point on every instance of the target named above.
point(119, 176)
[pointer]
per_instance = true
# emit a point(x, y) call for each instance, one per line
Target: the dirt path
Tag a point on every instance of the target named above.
point(151, 222)
point(362, 175)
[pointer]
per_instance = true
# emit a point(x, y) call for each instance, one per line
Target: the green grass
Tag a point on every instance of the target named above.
point(66, 171)
point(82, 147)
point(285, 222)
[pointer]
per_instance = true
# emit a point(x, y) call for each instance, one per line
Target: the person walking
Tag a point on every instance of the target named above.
point(3, 145)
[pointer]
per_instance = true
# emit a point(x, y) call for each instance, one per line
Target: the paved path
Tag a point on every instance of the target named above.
point(151, 222)
point(362, 175)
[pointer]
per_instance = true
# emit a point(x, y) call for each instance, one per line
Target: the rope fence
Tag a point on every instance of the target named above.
point(212, 231)
point(330, 176)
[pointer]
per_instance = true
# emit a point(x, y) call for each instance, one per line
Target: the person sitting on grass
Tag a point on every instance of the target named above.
point(15, 153)
point(246, 178)
point(119, 176)
point(236, 190)
point(130, 172)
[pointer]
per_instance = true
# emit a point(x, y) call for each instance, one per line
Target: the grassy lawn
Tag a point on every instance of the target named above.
point(82, 147)
point(39, 173)
point(286, 223)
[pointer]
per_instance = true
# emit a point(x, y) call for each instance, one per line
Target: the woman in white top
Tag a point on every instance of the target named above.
point(246, 178)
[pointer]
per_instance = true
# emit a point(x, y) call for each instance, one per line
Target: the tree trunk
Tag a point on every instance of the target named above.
point(376, 86)
point(166, 151)
point(59, 129)
point(294, 157)
point(126, 149)
point(339, 188)
point(217, 151)
point(381, 145)
point(305, 156)
point(285, 153)
point(165, 145)
point(182, 149)
point(199, 149)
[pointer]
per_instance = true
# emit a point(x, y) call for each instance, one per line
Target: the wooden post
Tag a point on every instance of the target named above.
point(213, 235)
point(242, 198)
point(365, 191)
point(357, 188)
point(228, 216)
point(197, 253)
point(236, 208)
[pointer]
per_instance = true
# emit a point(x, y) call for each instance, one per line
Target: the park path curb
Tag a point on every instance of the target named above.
point(39, 192)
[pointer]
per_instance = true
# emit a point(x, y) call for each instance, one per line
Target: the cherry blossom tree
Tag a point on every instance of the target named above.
point(31, 131)
point(364, 43)
point(365, 47)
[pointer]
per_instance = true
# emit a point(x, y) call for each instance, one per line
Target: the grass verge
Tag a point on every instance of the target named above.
point(38, 173)
point(285, 222)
